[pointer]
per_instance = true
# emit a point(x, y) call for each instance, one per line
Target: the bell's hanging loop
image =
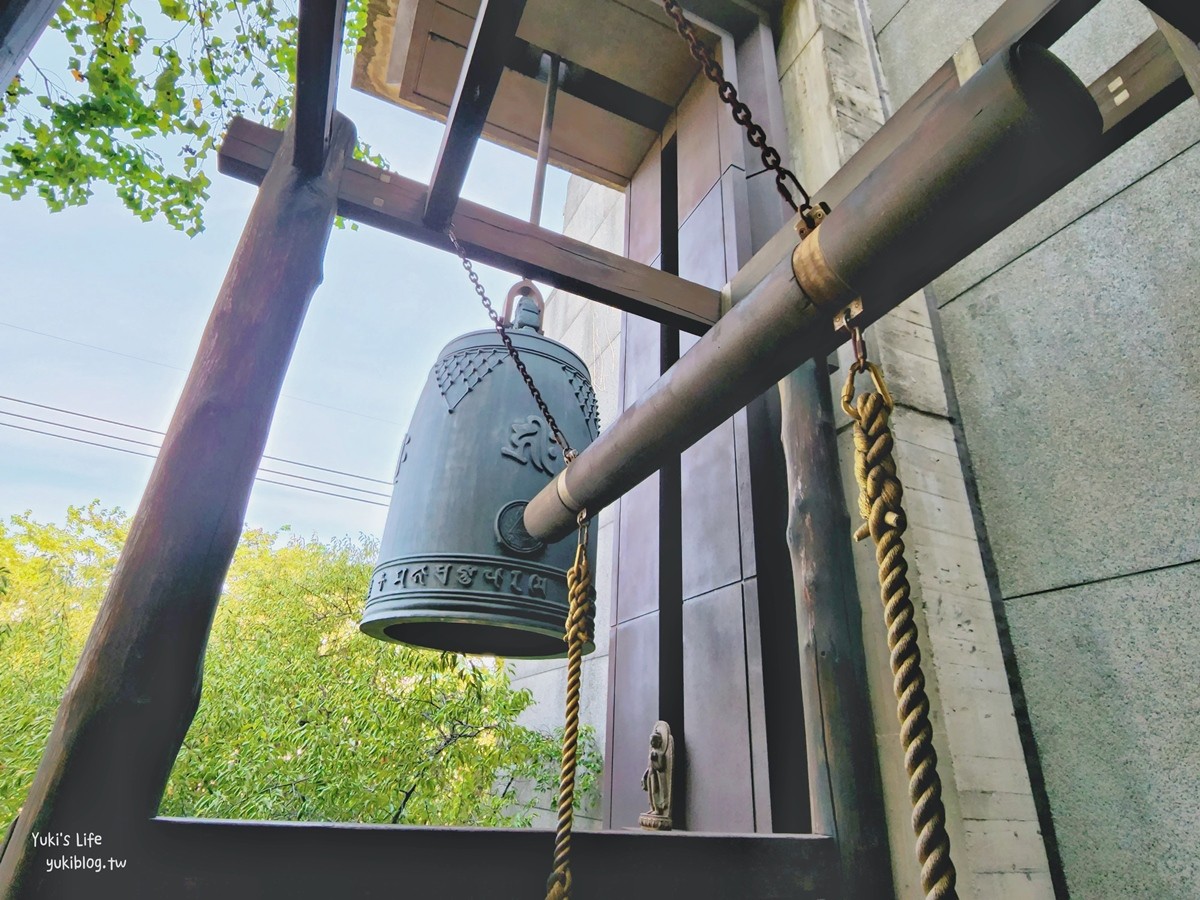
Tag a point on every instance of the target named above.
point(522, 289)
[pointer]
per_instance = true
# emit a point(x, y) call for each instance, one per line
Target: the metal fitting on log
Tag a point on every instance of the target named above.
point(1018, 130)
point(1006, 140)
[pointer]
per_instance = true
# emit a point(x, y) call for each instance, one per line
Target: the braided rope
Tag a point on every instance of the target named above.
point(879, 502)
point(579, 583)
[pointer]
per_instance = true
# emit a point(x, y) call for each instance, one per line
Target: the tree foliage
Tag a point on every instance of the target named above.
point(302, 717)
point(139, 95)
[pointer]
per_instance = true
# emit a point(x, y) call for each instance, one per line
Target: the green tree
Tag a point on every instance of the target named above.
point(302, 717)
point(139, 95)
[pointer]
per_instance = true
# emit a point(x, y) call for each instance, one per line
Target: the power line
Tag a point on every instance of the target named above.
point(59, 337)
point(156, 447)
point(70, 412)
point(298, 487)
point(153, 362)
point(4, 412)
point(117, 437)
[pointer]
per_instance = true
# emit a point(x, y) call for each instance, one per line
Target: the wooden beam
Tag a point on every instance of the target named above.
point(737, 17)
point(192, 859)
point(489, 51)
point(318, 53)
point(592, 87)
point(137, 684)
point(1182, 14)
point(21, 24)
point(1041, 21)
point(396, 204)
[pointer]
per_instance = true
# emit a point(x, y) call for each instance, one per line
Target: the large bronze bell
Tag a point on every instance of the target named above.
point(457, 570)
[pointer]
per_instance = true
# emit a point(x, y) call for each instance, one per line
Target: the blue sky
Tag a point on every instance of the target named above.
point(101, 314)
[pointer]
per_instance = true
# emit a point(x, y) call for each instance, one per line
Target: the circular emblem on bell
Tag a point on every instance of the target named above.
point(510, 529)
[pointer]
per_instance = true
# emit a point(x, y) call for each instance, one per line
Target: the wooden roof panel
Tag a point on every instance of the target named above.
point(413, 52)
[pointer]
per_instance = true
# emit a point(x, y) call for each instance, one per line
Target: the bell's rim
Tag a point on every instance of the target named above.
point(479, 631)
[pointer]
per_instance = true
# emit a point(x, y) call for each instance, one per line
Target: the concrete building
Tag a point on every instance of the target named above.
point(1045, 441)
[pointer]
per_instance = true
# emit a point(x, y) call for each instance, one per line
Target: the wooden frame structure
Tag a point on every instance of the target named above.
point(140, 673)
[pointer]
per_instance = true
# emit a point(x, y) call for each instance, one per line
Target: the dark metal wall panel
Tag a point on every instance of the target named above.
point(725, 730)
point(634, 650)
point(745, 488)
point(712, 555)
point(758, 88)
point(697, 125)
point(644, 208)
point(735, 219)
point(641, 350)
point(702, 237)
point(719, 777)
point(756, 701)
point(720, 774)
point(777, 721)
point(637, 546)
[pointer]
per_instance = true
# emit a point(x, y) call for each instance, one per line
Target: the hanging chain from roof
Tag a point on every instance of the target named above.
point(742, 115)
point(502, 330)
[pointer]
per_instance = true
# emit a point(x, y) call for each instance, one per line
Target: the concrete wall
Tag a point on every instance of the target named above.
point(595, 214)
point(1070, 341)
point(835, 100)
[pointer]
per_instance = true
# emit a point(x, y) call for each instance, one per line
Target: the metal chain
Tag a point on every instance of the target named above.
point(880, 496)
point(559, 437)
point(741, 112)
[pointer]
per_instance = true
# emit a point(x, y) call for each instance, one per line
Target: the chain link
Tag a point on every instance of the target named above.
point(559, 437)
point(741, 112)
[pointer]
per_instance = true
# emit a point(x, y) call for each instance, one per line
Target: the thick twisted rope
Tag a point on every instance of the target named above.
point(579, 583)
point(879, 502)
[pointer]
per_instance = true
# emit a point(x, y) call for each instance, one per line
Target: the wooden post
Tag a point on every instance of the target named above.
point(137, 684)
point(845, 792)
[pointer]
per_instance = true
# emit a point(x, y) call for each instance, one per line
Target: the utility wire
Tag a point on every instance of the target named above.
point(298, 487)
point(152, 362)
point(117, 437)
point(69, 412)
